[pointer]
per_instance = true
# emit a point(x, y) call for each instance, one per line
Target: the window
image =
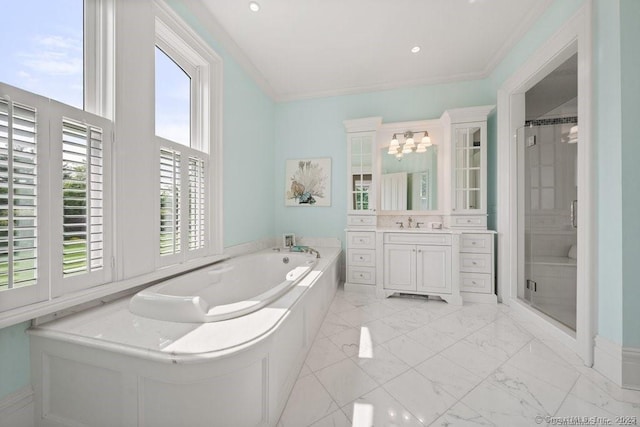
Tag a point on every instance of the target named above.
point(188, 93)
point(54, 156)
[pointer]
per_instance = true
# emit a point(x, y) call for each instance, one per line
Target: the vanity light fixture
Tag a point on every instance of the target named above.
point(254, 6)
point(409, 144)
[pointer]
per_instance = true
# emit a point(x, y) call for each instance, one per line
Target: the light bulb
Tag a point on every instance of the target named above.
point(254, 6)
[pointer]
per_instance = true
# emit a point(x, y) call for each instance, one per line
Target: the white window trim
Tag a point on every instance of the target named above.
point(99, 54)
point(185, 47)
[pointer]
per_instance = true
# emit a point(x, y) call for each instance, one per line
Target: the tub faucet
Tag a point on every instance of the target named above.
point(305, 249)
point(313, 251)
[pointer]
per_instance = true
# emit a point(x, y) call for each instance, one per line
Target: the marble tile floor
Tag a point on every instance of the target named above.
point(409, 361)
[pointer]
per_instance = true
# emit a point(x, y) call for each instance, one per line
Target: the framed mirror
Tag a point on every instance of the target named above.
point(409, 183)
point(410, 180)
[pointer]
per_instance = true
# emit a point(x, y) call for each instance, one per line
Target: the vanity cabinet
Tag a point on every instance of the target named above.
point(419, 263)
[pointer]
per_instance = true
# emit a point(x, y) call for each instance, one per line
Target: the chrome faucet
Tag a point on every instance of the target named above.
point(401, 224)
point(418, 224)
point(409, 221)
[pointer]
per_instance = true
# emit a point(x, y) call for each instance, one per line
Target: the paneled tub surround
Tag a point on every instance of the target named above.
point(108, 366)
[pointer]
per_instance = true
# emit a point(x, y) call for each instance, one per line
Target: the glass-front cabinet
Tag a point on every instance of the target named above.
point(361, 163)
point(467, 129)
point(468, 167)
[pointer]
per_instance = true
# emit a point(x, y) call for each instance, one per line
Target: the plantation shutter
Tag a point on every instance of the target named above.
point(197, 207)
point(18, 196)
point(81, 192)
point(170, 202)
point(83, 197)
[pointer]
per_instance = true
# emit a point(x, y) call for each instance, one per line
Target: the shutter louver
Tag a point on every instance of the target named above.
point(83, 198)
point(196, 203)
point(169, 202)
point(18, 195)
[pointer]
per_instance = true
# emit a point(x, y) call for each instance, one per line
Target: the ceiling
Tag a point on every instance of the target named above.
point(310, 48)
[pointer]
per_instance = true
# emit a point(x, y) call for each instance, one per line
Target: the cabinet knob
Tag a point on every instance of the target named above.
point(473, 281)
point(474, 263)
point(468, 221)
point(473, 243)
point(361, 275)
point(361, 258)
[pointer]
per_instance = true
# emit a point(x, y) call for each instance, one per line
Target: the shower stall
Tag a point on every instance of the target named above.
point(547, 217)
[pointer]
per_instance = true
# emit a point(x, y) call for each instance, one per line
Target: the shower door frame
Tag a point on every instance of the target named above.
point(574, 36)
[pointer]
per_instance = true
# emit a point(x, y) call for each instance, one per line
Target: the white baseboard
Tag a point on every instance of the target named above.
point(481, 298)
point(607, 359)
point(17, 409)
point(371, 289)
point(619, 364)
point(631, 368)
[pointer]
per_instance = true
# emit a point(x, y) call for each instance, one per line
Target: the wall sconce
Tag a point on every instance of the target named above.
point(573, 135)
point(409, 144)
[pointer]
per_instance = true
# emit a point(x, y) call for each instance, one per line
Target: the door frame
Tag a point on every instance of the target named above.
point(574, 36)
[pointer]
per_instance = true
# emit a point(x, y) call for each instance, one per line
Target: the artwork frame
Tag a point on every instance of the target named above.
point(308, 182)
point(288, 240)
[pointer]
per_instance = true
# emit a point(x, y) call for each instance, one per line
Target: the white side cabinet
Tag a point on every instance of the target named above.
point(419, 263)
point(361, 203)
point(477, 275)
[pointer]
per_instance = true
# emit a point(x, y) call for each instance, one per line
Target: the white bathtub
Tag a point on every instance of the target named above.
point(108, 366)
point(225, 290)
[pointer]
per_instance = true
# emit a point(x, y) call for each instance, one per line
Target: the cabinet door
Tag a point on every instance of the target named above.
point(361, 183)
point(400, 267)
point(434, 269)
point(469, 174)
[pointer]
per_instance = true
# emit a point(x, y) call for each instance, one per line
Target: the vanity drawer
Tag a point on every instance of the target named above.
point(476, 282)
point(361, 239)
point(477, 221)
point(475, 263)
point(418, 238)
point(361, 275)
point(361, 257)
point(361, 220)
point(477, 243)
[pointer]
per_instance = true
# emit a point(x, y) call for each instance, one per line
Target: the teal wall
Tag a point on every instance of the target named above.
point(14, 358)
point(314, 128)
point(550, 21)
point(630, 113)
point(607, 133)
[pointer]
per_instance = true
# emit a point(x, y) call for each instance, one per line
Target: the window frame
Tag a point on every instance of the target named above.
point(181, 44)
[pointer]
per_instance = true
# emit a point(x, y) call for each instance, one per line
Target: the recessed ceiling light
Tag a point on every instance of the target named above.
point(254, 6)
point(415, 49)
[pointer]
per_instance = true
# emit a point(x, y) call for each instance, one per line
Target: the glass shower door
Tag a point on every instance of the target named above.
point(548, 224)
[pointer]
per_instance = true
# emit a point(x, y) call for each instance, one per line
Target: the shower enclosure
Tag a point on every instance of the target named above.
point(547, 220)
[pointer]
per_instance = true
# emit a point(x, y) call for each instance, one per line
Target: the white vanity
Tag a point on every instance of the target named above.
point(417, 207)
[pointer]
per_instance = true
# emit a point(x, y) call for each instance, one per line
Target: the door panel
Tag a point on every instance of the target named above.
point(434, 269)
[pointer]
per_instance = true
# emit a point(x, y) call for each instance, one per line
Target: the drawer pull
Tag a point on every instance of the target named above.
point(361, 220)
point(474, 263)
point(473, 282)
point(468, 221)
point(361, 275)
point(361, 240)
point(361, 258)
point(473, 243)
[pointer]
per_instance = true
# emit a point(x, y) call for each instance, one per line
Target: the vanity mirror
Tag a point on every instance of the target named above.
point(410, 182)
point(410, 167)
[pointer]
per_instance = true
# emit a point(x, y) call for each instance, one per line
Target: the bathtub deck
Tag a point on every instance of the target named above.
point(114, 327)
